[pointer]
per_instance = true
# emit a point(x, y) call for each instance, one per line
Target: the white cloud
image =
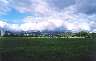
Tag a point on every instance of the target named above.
point(68, 20)
point(48, 23)
point(15, 27)
point(3, 24)
point(38, 7)
point(46, 17)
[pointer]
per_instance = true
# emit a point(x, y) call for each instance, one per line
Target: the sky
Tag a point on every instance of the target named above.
point(71, 15)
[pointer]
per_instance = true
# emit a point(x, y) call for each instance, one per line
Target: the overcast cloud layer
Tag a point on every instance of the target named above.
point(73, 15)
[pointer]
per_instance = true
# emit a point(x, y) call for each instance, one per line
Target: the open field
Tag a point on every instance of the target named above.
point(47, 49)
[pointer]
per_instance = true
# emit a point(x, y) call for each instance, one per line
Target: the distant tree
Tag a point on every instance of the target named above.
point(83, 34)
point(93, 35)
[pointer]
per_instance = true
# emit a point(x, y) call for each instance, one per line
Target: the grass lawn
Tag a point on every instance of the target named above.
point(47, 49)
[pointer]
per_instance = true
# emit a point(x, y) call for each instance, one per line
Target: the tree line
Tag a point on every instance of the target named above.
point(49, 34)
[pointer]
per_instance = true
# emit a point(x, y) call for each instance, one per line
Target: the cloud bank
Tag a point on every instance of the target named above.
point(73, 15)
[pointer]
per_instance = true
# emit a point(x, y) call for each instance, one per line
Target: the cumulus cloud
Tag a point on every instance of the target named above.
point(70, 15)
point(2, 24)
point(38, 7)
point(40, 23)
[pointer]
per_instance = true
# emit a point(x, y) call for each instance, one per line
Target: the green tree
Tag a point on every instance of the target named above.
point(83, 34)
point(93, 35)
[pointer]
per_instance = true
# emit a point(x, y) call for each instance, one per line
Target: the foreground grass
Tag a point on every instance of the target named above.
point(46, 49)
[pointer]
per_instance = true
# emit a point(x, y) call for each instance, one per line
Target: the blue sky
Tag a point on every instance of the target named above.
point(73, 15)
point(13, 16)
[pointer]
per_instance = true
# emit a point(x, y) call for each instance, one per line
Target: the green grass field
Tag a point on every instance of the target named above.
point(47, 49)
